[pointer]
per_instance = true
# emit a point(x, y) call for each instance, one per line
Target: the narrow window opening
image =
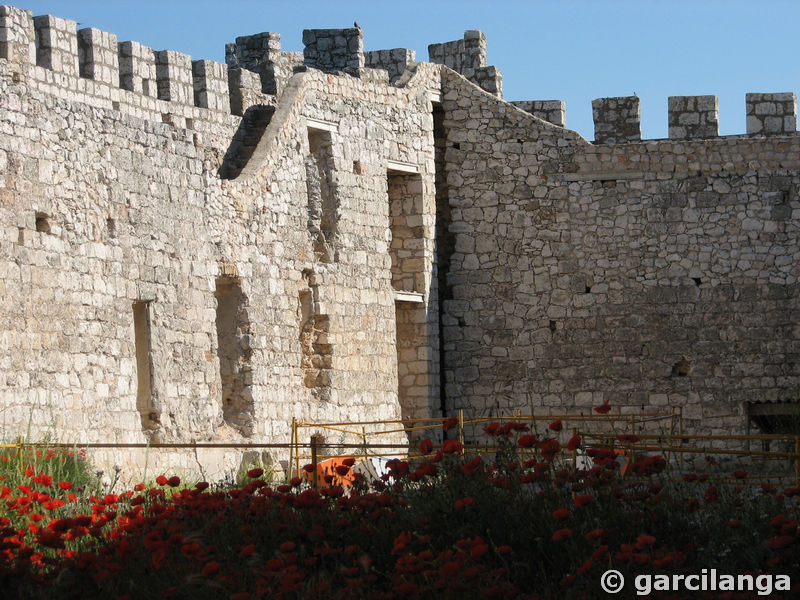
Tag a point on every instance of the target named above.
point(149, 414)
point(412, 365)
point(234, 352)
point(322, 203)
point(697, 281)
point(85, 64)
point(42, 222)
point(444, 246)
point(43, 55)
point(408, 234)
point(358, 167)
point(316, 360)
point(111, 226)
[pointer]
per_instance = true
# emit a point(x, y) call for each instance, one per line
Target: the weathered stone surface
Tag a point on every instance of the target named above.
point(197, 251)
point(693, 117)
point(771, 114)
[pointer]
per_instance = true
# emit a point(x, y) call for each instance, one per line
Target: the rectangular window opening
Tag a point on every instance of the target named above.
point(144, 365)
point(322, 204)
point(234, 352)
point(407, 249)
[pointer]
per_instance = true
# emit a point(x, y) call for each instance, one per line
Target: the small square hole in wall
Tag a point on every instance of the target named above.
point(358, 167)
point(112, 227)
point(189, 123)
point(42, 222)
point(115, 105)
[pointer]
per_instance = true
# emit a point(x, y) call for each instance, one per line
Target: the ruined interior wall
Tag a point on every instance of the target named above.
point(655, 274)
point(114, 197)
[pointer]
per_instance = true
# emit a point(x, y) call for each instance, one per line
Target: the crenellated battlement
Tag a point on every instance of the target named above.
point(468, 57)
point(618, 120)
point(94, 64)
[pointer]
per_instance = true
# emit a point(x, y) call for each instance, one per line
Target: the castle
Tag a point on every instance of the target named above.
point(197, 251)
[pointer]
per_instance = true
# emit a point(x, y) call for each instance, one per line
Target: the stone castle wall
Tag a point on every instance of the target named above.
point(197, 251)
point(126, 253)
point(655, 274)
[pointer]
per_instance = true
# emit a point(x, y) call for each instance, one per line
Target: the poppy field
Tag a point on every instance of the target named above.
point(522, 522)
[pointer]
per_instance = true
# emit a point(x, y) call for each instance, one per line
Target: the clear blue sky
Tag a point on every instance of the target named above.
point(569, 50)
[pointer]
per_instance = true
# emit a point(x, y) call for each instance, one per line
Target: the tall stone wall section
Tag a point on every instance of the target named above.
point(197, 251)
point(114, 212)
point(654, 274)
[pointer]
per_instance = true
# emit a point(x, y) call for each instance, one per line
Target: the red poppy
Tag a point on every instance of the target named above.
point(574, 443)
point(780, 542)
point(561, 514)
point(584, 500)
point(452, 446)
point(174, 481)
point(450, 423)
point(562, 534)
point(211, 568)
point(556, 425)
point(527, 441)
point(644, 541)
point(253, 473)
point(549, 448)
point(594, 534)
point(426, 446)
point(342, 470)
point(492, 428)
point(349, 461)
point(465, 503)
point(740, 474)
point(161, 480)
point(603, 408)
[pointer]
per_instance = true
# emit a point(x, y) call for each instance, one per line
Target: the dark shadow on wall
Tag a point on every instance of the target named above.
point(244, 142)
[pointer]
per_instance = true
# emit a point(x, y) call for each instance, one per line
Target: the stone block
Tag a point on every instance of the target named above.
point(771, 114)
point(56, 44)
point(98, 55)
point(617, 120)
point(174, 77)
point(333, 50)
point(693, 117)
